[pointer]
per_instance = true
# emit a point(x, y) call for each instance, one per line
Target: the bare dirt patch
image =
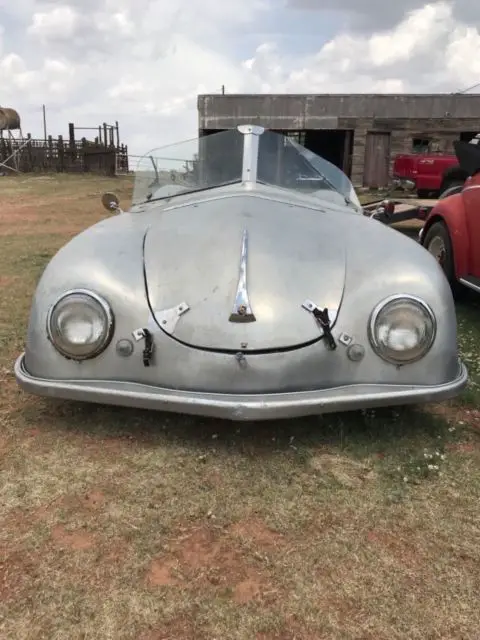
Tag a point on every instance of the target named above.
point(207, 557)
point(257, 532)
point(17, 569)
point(75, 540)
point(160, 574)
point(93, 499)
point(8, 281)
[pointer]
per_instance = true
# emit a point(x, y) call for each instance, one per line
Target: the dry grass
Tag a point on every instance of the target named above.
point(125, 524)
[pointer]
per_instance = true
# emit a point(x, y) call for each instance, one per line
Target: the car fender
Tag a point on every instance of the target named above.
point(81, 264)
point(451, 212)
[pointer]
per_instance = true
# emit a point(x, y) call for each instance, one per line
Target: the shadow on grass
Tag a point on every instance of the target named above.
point(388, 431)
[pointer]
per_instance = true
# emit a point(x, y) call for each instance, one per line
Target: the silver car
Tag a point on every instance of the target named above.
point(243, 283)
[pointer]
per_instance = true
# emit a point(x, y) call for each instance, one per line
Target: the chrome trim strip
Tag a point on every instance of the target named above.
point(251, 140)
point(470, 188)
point(469, 284)
point(258, 406)
point(289, 199)
point(242, 311)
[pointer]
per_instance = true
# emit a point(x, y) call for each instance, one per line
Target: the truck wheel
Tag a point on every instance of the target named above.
point(450, 189)
point(437, 242)
point(423, 194)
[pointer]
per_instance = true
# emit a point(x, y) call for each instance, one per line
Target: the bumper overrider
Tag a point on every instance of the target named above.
point(239, 406)
point(403, 183)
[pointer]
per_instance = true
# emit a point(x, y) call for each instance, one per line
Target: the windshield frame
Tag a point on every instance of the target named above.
point(251, 161)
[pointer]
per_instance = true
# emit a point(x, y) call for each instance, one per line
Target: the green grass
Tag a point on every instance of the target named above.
point(468, 314)
point(118, 523)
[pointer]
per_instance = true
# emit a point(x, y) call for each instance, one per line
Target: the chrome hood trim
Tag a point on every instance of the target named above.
point(192, 255)
point(242, 311)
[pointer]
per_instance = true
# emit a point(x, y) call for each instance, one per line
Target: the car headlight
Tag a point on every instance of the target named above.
point(402, 329)
point(80, 324)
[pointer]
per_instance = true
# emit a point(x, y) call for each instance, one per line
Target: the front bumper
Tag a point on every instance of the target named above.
point(242, 406)
point(403, 183)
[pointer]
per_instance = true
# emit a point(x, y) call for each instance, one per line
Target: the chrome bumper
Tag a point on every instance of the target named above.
point(404, 182)
point(242, 406)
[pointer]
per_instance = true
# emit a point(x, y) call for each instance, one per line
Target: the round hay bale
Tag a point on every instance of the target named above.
point(9, 119)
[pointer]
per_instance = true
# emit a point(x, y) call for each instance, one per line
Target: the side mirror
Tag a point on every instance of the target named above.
point(111, 202)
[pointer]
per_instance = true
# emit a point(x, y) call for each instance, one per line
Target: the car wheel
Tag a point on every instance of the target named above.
point(437, 242)
point(450, 189)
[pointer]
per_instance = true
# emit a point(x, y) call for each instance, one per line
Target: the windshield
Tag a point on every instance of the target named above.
point(223, 158)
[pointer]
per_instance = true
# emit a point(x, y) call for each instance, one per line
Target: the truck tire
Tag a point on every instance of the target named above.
point(423, 194)
point(450, 188)
point(437, 242)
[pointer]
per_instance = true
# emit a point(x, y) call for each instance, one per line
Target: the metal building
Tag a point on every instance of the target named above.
point(360, 133)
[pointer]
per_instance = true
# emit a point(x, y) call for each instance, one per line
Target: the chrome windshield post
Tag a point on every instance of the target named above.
point(251, 140)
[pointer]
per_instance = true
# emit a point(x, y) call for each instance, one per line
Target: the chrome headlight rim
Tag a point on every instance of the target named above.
point(415, 301)
point(109, 324)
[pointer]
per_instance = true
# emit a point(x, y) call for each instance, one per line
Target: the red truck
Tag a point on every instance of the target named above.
point(428, 173)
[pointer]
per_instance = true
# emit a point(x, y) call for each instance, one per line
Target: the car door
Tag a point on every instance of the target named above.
point(471, 198)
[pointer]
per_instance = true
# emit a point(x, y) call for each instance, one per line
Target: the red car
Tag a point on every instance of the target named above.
point(452, 229)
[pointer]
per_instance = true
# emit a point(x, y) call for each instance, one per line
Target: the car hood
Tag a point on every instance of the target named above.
point(192, 256)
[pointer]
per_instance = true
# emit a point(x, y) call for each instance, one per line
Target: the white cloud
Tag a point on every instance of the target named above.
point(361, 15)
point(144, 62)
point(427, 51)
point(417, 34)
point(58, 23)
point(462, 55)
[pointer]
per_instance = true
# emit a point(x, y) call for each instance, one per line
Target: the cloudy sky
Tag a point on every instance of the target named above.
point(143, 62)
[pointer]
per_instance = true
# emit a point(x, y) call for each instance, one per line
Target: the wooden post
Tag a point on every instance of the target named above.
point(61, 154)
point(44, 123)
point(71, 134)
point(84, 156)
point(118, 133)
point(105, 134)
point(29, 154)
point(50, 154)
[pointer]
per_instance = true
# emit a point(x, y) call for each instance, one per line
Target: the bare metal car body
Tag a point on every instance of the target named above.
point(245, 283)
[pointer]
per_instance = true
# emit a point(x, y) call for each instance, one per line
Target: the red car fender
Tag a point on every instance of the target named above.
point(452, 212)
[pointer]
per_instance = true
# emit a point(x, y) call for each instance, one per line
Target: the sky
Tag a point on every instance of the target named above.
point(143, 62)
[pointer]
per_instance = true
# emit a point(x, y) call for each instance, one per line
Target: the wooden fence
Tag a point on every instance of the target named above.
point(29, 155)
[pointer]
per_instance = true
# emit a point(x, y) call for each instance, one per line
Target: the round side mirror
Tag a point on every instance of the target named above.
point(110, 201)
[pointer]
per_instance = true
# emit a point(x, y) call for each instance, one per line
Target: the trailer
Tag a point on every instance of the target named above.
point(394, 210)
